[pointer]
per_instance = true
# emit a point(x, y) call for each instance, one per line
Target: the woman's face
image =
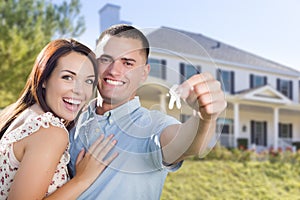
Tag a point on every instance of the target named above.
point(70, 85)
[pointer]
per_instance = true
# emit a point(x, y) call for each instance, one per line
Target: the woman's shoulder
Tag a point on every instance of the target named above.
point(45, 120)
point(32, 122)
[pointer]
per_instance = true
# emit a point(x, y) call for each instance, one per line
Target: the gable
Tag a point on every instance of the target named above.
point(265, 94)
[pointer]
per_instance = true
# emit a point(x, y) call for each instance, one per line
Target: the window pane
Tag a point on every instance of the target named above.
point(189, 71)
point(156, 67)
point(225, 126)
point(258, 81)
point(226, 79)
point(285, 131)
point(284, 87)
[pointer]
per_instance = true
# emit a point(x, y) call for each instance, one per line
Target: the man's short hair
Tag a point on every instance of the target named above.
point(127, 31)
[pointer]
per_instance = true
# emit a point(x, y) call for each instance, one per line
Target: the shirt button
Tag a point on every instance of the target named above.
point(97, 130)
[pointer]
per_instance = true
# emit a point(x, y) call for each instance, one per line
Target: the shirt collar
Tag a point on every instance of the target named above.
point(117, 112)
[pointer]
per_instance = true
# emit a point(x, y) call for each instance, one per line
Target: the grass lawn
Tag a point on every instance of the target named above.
point(231, 180)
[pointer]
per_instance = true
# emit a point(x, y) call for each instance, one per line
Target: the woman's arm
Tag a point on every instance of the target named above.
point(88, 168)
point(41, 154)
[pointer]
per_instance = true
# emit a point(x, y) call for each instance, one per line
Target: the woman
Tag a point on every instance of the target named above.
point(34, 144)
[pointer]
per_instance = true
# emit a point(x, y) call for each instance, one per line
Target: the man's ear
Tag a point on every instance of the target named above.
point(146, 71)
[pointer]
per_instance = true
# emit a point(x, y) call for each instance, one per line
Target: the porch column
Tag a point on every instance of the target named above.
point(236, 124)
point(162, 102)
point(275, 127)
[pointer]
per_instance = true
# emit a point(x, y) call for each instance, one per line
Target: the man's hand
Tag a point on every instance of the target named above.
point(204, 94)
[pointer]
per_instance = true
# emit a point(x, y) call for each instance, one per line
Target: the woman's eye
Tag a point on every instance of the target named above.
point(67, 77)
point(90, 81)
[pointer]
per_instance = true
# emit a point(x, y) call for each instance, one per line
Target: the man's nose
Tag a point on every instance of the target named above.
point(116, 67)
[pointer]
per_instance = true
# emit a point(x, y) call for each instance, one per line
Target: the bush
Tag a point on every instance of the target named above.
point(242, 143)
point(240, 155)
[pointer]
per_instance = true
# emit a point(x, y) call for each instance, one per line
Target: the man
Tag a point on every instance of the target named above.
point(150, 143)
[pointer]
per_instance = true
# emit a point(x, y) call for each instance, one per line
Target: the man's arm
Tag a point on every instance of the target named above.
point(203, 93)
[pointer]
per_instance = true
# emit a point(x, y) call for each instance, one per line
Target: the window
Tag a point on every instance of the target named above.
point(256, 81)
point(285, 131)
point(285, 87)
point(224, 126)
point(227, 80)
point(158, 68)
point(188, 70)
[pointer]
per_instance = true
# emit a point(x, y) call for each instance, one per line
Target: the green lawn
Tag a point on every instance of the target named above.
point(231, 180)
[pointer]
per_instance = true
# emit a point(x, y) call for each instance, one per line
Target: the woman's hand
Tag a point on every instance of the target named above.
point(91, 164)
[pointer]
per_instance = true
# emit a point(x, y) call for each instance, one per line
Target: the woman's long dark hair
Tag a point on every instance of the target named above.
point(33, 91)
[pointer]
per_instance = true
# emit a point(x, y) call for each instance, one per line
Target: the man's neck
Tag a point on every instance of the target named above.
point(100, 110)
point(108, 105)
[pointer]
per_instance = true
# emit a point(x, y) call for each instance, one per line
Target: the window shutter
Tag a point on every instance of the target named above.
point(219, 71)
point(251, 81)
point(291, 130)
point(265, 133)
point(291, 90)
point(252, 131)
point(164, 69)
point(279, 130)
point(278, 84)
point(198, 69)
point(232, 82)
point(181, 69)
point(265, 80)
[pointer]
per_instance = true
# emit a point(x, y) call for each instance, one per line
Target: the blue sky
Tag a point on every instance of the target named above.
point(268, 28)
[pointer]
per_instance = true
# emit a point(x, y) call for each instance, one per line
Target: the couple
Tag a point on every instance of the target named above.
point(139, 146)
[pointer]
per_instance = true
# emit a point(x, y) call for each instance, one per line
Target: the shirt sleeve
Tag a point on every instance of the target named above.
point(162, 121)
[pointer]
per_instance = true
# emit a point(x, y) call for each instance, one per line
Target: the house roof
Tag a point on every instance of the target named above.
point(195, 44)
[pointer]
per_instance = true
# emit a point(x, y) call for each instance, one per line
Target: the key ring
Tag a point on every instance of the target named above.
point(174, 97)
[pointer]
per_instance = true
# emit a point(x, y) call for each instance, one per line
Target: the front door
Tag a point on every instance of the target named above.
point(259, 133)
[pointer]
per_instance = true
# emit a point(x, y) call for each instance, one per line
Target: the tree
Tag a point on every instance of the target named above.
point(26, 26)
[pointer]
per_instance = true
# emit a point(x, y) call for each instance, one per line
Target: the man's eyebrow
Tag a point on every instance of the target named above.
point(128, 59)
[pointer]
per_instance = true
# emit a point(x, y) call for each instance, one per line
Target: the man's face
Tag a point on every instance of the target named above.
point(122, 68)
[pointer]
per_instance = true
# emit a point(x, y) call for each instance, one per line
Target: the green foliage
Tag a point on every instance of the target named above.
point(26, 26)
point(218, 179)
point(243, 155)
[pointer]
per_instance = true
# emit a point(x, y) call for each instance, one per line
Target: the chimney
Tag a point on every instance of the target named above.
point(109, 15)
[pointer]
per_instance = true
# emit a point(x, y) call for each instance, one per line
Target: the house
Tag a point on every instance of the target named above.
point(262, 95)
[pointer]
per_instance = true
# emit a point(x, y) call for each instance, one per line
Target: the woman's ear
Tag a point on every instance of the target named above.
point(44, 85)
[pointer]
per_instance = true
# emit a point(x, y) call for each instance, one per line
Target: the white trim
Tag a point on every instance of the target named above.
point(275, 124)
point(236, 123)
point(265, 94)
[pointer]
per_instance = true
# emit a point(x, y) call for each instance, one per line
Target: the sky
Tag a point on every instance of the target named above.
point(268, 28)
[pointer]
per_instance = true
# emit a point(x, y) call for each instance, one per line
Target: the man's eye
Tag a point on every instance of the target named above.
point(67, 77)
point(128, 64)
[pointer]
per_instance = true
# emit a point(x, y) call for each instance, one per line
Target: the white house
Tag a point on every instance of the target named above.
point(263, 96)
